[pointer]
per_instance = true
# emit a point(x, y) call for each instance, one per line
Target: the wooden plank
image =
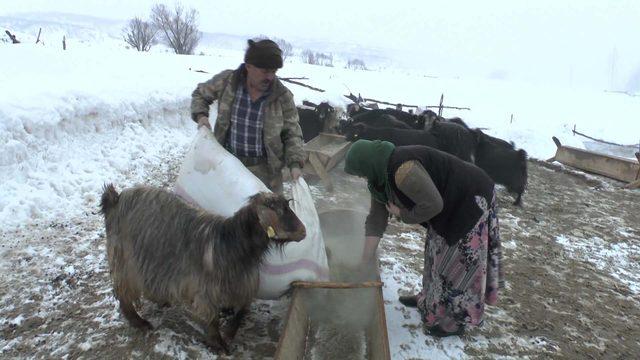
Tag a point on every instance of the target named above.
point(377, 335)
point(329, 150)
point(633, 185)
point(338, 156)
point(330, 135)
point(320, 171)
point(294, 336)
point(615, 167)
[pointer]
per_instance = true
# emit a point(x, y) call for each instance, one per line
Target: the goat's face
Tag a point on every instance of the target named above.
point(344, 125)
point(431, 115)
point(324, 110)
point(336, 121)
point(277, 219)
point(352, 108)
point(354, 131)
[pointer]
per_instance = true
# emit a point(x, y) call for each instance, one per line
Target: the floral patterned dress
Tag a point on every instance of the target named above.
point(459, 280)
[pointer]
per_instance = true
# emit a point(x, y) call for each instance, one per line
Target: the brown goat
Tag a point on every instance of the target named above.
point(176, 253)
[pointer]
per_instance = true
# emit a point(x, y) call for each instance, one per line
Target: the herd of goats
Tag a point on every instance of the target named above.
point(505, 164)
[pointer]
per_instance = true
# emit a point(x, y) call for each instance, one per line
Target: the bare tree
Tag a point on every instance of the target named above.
point(324, 59)
point(316, 58)
point(285, 46)
point(308, 57)
point(356, 64)
point(140, 34)
point(179, 29)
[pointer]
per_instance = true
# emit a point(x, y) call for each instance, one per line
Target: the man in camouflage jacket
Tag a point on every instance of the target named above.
point(257, 118)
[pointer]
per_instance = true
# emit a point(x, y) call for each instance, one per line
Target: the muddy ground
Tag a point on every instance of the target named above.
point(571, 256)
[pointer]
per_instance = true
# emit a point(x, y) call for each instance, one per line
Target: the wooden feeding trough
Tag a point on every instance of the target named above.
point(343, 318)
point(614, 167)
point(325, 151)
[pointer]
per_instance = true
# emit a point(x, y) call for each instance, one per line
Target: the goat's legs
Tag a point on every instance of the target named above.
point(236, 322)
point(132, 316)
point(214, 339)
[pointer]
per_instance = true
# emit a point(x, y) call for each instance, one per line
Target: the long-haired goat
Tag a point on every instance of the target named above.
point(172, 252)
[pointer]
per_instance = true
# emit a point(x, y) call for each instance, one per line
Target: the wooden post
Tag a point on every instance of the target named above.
point(440, 107)
point(64, 42)
point(511, 121)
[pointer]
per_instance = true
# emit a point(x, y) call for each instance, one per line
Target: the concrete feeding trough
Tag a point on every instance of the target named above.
point(343, 318)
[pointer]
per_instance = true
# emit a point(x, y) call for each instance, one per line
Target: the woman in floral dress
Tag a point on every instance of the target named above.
point(455, 201)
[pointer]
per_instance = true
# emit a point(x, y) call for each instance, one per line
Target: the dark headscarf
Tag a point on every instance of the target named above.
point(370, 159)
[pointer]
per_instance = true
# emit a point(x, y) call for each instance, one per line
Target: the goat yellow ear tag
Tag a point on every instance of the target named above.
point(270, 232)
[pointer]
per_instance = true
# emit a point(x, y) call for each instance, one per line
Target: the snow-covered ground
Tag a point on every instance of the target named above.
point(72, 120)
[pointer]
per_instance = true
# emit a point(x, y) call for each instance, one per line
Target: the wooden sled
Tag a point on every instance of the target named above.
point(325, 151)
point(302, 337)
point(614, 167)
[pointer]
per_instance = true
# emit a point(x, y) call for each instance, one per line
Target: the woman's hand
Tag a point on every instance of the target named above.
point(392, 209)
point(369, 251)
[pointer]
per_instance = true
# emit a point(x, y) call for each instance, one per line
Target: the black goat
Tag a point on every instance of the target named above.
point(447, 142)
point(432, 117)
point(380, 120)
point(503, 163)
point(370, 117)
point(321, 118)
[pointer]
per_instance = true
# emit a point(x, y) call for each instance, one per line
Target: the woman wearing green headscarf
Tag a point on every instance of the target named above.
point(455, 201)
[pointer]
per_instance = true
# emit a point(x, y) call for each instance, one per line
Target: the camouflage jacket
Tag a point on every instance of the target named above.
point(282, 135)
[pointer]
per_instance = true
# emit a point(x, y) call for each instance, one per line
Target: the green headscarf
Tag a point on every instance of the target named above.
point(370, 159)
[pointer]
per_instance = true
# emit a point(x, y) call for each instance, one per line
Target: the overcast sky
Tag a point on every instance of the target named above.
point(591, 42)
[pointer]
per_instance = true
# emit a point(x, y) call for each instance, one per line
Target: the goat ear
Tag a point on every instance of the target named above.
point(523, 154)
point(268, 219)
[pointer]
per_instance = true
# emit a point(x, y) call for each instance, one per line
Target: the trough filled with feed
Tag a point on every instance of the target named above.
point(343, 318)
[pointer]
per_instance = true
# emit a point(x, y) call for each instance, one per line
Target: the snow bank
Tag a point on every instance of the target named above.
point(70, 121)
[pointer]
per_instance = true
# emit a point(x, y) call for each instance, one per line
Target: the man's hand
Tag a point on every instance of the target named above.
point(204, 121)
point(295, 173)
point(391, 208)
